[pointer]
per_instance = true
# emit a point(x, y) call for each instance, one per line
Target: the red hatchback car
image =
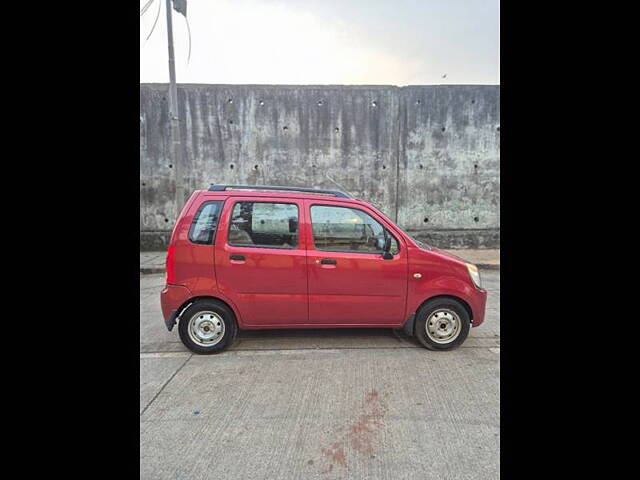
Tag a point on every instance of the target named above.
point(258, 257)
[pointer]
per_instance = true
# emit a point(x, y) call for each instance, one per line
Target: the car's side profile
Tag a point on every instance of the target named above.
point(263, 257)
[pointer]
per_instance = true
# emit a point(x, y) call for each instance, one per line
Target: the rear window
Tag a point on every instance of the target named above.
point(205, 222)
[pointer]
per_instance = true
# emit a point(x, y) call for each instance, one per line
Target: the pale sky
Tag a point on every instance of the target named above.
point(318, 42)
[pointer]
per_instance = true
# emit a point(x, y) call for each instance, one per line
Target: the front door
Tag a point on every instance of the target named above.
point(350, 283)
point(261, 260)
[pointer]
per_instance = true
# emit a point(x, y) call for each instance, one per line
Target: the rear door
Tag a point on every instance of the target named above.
point(261, 260)
point(350, 283)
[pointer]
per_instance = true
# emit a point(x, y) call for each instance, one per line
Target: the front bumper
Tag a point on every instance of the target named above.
point(478, 306)
point(172, 297)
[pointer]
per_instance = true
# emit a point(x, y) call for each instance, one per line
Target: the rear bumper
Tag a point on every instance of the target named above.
point(172, 298)
point(478, 306)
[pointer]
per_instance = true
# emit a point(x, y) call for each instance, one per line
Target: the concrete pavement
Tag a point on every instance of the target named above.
point(152, 262)
point(326, 404)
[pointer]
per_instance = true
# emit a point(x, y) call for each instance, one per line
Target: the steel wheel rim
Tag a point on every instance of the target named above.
point(443, 326)
point(206, 329)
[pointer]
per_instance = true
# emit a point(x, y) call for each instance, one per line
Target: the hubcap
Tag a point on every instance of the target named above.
point(443, 326)
point(206, 329)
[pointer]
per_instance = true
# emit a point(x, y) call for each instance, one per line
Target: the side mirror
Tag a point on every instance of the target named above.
point(387, 255)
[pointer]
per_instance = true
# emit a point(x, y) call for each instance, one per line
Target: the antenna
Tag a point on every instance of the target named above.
point(341, 187)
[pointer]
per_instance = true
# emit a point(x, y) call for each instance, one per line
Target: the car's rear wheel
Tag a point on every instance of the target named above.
point(207, 326)
point(442, 324)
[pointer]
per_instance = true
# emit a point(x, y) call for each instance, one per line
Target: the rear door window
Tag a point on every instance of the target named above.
point(264, 224)
point(204, 224)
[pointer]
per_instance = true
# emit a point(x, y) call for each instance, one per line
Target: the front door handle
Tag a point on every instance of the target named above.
point(237, 257)
point(329, 261)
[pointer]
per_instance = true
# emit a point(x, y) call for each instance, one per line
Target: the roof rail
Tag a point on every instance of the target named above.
point(222, 188)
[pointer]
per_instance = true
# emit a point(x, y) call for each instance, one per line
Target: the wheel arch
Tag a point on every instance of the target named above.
point(195, 299)
point(409, 326)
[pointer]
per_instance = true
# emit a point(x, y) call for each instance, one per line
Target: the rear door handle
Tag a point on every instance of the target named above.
point(329, 261)
point(237, 257)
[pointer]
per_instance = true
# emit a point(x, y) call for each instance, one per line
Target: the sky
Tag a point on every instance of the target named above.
point(326, 42)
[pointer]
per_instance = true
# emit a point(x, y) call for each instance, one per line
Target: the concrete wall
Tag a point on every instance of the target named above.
point(428, 156)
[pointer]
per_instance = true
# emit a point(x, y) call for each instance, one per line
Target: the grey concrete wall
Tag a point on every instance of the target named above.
point(428, 156)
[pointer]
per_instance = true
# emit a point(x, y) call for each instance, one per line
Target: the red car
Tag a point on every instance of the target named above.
point(257, 257)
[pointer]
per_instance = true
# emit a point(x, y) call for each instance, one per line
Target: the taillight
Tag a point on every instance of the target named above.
point(169, 266)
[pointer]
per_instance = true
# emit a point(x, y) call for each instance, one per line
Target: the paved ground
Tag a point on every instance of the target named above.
point(153, 262)
point(325, 404)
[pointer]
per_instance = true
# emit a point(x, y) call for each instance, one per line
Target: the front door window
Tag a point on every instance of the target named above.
point(342, 229)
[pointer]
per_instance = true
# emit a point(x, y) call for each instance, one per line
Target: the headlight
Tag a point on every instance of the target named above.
point(474, 274)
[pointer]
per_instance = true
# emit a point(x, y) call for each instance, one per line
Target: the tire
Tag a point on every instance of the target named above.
point(207, 326)
point(449, 324)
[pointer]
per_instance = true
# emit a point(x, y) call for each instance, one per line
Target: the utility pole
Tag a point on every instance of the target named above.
point(173, 116)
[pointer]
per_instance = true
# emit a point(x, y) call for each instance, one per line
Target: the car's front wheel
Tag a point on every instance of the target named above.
point(442, 324)
point(207, 326)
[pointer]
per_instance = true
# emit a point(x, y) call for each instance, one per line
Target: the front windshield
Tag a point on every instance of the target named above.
point(421, 244)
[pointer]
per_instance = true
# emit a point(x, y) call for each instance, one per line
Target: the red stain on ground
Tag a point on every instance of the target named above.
point(360, 433)
point(336, 453)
